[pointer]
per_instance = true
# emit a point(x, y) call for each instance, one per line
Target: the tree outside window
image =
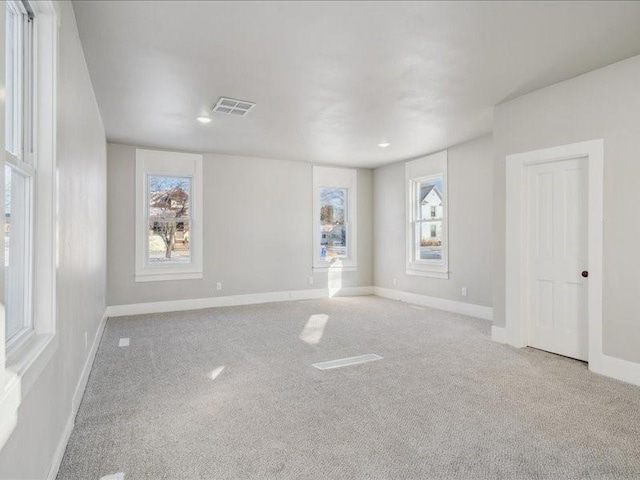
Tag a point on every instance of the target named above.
point(169, 219)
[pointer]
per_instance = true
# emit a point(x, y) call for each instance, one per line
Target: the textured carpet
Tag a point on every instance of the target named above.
point(445, 402)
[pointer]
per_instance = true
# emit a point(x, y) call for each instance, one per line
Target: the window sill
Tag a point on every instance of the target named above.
point(23, 367)
point(427, 273)
point(30, 359)
point(336, 268)
point(10, 397)
point(167, 277)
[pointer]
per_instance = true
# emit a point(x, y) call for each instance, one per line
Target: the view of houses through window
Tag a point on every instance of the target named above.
point(333, 226)
point(430, 216)
point(169, 219)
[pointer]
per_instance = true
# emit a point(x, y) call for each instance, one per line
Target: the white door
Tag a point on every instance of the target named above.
point(556, 254)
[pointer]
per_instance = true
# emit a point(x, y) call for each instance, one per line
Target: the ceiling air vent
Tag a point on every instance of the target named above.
point(232, 106)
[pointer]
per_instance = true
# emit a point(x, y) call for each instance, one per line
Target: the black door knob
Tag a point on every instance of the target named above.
point(585, 274)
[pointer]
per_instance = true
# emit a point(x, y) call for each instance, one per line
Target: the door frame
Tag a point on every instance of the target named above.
point(516, 223)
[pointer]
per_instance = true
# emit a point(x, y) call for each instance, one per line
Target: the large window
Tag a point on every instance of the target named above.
point(169, 204)
point(28, 340)
point(334, 208)
point(427, 248)
point(19, 172)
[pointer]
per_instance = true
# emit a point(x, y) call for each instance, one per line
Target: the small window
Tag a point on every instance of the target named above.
point(429, 221)
point(168, 214)
point(333, 223)
point(335, 213)
point(169, 203)
point(427, 252)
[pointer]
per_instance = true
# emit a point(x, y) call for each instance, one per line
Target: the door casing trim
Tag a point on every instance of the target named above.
point(516, 330)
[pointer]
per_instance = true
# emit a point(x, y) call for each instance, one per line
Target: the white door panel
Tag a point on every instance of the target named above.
point(556, 294)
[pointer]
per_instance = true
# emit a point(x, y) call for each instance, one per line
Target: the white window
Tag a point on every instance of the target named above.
point(19, 173)
point(29, 241)
point(427, 216)
point(27, 340)
point(334, 218)
point(168, 216)
point(18, 252)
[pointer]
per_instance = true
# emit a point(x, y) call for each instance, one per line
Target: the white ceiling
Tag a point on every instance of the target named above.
point(333, 79)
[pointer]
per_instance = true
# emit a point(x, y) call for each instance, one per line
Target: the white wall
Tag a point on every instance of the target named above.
point(257, 230)
point(603, 104)
point(470, 234)
point(81, 273)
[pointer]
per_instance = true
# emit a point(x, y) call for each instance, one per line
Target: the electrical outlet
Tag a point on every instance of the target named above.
point(310, 280)
point(219, 286)
point(395, 282)
point(464, 291)
point(86, 340)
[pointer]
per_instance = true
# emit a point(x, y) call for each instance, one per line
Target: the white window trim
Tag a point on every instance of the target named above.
point(416, 171)
point(157, 162)
point(23, 361)
point(335, 177)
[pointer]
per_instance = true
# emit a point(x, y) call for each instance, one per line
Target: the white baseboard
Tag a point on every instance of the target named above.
point(86, 370)
point(62, 446)
point(470, 309)
point(233, 300)
point(606, 365)
point(609, 366)
point(617, 368)
point(498, 334)
point(76, 399)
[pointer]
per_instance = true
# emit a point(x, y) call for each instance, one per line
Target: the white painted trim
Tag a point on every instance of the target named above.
point(617, 368)
point(158, 162)
point(167, 276)
point(415, 172)
point(498, 334)
point(61, 448)
point(86, 370)
point(75, 401)
point(31, 359)
point(335, 269)
point(470, 309)
point(336, 177)
point(515, 271)
point(233, 300)
point(45, 207)
point(427, 273)
point(10, 397)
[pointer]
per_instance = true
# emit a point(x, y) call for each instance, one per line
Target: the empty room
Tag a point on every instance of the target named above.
point(320, 240)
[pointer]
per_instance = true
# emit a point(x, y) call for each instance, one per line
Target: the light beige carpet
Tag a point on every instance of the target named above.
point(230, 393)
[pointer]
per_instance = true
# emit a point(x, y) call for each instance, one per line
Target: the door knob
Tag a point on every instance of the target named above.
point(585, 274)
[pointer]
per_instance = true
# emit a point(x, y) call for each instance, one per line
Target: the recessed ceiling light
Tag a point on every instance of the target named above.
point(384, 144)
point(204, 119)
